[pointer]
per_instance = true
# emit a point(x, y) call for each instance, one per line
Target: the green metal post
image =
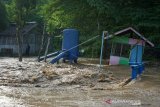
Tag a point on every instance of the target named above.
point(102, 44)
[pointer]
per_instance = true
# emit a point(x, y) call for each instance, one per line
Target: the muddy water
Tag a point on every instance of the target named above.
point(143, 93)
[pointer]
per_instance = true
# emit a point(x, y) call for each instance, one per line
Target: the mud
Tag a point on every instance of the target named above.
point(33, 84)
point(31, 73)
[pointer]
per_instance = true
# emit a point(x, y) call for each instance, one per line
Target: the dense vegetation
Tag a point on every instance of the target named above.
point(3, 17)
point(91, 17)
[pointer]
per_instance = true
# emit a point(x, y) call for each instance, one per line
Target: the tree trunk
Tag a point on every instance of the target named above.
point(46, 52)
point(42, 43)
point(19, 41)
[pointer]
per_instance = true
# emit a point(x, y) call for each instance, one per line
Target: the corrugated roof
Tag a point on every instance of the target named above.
point(11, 30)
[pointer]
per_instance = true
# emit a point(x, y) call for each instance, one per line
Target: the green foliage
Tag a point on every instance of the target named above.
point(3, 17)
point(91, 17)
point(22, 10)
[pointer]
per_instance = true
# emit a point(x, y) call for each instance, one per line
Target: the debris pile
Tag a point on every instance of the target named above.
point(37, 74)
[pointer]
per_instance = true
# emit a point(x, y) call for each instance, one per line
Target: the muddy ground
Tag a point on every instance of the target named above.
point(30, 83)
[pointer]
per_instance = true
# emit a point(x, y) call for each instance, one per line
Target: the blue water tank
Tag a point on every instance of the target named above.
point(71, 40)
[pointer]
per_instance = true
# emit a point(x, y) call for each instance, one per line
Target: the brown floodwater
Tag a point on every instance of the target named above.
point(143, 93)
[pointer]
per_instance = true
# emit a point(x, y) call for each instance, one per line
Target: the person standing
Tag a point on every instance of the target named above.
point(27, 49)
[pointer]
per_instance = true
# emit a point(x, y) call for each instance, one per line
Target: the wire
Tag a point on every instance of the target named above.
point(81, 43)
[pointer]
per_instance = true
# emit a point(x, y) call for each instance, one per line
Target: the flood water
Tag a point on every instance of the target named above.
point(143, 93)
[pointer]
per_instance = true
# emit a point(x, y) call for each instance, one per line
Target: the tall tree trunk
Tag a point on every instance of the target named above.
point(42, 43)
point(19, 41)
point(46, 52)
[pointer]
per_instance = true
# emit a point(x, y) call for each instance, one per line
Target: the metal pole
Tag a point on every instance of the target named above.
point(121, 49)
point(102, 44)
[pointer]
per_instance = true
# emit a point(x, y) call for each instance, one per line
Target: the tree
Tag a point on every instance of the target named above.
point(91, 17)
point(3, 18)
point(22, 10)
